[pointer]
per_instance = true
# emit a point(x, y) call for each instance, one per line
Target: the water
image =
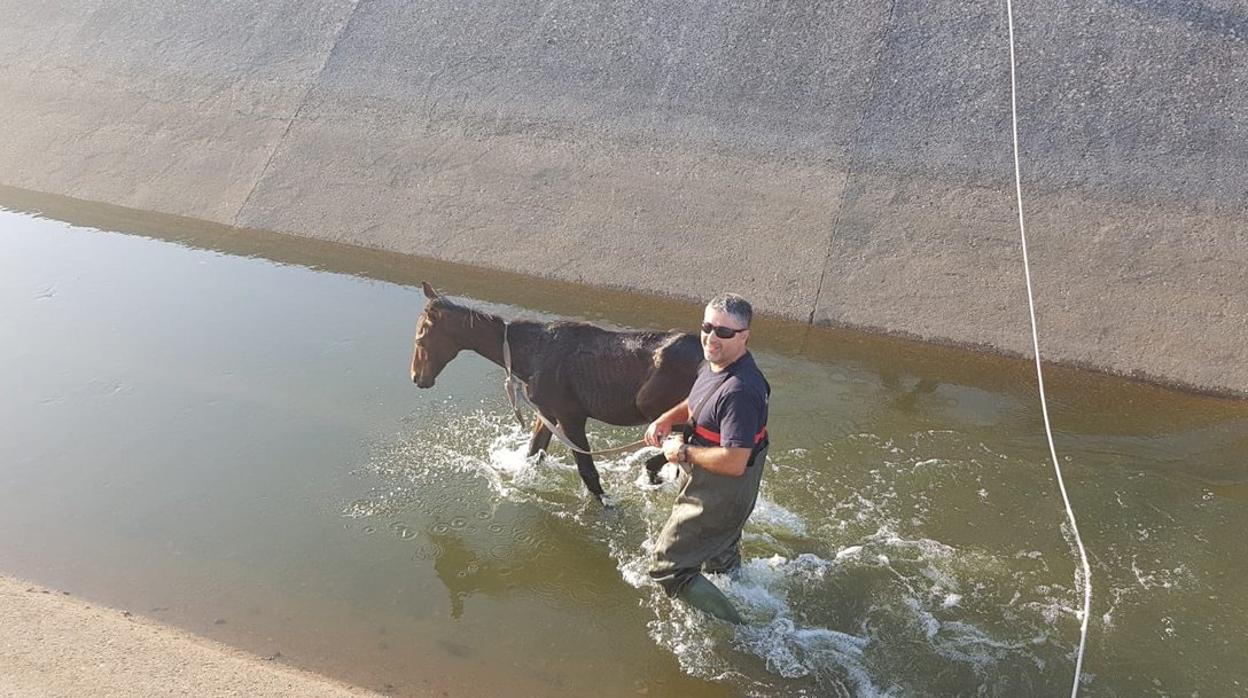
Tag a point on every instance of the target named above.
point(217, 430)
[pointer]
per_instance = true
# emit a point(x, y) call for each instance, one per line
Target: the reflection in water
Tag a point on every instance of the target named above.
point(532, 566)
point(905, 391)
point(463, 573)
point(1216, 454)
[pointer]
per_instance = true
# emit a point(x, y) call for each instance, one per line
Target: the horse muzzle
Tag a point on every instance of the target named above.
point(421, 381)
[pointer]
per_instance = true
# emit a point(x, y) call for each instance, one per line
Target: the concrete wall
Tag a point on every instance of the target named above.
point(838, 162)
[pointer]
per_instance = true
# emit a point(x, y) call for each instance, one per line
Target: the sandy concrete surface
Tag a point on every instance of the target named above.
point(56, 646)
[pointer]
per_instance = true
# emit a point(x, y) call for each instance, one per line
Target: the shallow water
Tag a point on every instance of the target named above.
point(217, 429)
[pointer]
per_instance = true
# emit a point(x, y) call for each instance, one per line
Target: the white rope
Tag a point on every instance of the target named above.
point(1035, 341)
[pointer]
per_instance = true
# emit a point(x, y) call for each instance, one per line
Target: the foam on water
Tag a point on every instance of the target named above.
point(790, 649)
point(871, 616)
point(771, 516)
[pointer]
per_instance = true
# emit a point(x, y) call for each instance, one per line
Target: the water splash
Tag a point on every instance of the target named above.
point(845, 605)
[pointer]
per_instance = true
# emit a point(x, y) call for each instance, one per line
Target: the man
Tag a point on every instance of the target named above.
point(720, 450)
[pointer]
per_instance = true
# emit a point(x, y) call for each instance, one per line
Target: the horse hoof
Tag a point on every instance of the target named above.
point(606, 500)
point(655, 477)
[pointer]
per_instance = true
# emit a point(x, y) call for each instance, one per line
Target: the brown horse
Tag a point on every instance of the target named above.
point(572, 370)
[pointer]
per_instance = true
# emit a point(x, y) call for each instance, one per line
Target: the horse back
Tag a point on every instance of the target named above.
point(603, 371)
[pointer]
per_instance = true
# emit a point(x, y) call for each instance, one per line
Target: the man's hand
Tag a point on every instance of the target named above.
point(672, 446)
point(661, 427)
point(657, 432)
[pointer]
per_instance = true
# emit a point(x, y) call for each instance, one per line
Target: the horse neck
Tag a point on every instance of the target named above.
point(526, 339)
point(484, 335)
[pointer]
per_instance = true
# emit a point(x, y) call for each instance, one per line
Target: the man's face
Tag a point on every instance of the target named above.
point(717, 350)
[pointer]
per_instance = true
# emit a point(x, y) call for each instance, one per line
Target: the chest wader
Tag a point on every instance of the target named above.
point(704, 530)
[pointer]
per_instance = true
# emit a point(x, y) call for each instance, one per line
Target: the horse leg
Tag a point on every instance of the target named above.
point(540, 442)
point(574, 429)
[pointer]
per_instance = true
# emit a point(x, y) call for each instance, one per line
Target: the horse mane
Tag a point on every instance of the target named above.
point(444, 303)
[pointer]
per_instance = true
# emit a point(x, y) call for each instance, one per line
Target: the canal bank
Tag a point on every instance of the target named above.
point(840, 165)
point(55, 644)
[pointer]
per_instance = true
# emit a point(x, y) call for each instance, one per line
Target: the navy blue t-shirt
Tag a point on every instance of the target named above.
point(739, 408)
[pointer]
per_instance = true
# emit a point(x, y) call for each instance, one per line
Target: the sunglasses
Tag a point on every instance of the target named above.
point(721, 331)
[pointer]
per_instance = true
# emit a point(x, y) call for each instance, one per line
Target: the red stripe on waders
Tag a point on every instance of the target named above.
point(713, 436)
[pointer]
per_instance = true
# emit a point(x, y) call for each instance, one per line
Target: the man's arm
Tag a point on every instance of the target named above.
point(661, 427)
point(740, 414)
point(721, 460)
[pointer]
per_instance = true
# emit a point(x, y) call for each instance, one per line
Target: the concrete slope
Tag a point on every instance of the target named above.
point(837, 162)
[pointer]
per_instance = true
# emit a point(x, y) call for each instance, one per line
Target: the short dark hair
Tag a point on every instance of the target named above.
point(734, 305)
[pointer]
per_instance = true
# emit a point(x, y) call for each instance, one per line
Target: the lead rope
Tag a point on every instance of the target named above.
point(509, 385)
point(1035, 341)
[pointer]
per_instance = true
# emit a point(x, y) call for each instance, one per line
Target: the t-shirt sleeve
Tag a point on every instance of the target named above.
point(740, 417)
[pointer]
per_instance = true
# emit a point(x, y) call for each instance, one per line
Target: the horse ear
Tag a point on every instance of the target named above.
point(429, 292)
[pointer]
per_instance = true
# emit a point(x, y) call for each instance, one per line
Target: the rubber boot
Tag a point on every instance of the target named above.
point(703, 595)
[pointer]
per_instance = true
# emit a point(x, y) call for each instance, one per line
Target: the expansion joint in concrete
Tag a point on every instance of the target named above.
point(855, 145)
point(303, 100)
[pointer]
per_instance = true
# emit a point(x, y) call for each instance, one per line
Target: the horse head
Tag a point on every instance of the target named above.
point(434, 345)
